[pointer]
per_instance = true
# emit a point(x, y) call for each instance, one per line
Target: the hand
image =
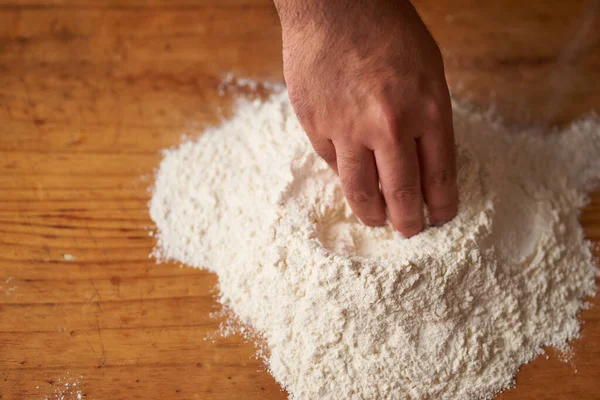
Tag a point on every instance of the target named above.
point(366, 80)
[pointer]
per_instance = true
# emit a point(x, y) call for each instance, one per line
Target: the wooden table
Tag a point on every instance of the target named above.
point(91, 90)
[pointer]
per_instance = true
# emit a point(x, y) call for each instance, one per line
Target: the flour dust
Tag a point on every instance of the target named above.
point(352, 312)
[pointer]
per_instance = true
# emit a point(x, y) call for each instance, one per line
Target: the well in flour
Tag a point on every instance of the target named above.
point(351, 312)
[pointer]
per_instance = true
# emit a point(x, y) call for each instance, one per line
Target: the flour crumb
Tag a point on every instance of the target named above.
point(231, 84)
point(567, 355)
point(348, 311)
point(68, 257)
point(8, 290)
point(65, 388)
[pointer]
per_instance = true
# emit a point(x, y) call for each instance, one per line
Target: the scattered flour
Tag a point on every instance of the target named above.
point(230, 82)
point(8, 290)
point(351, 312)
point(65, 388)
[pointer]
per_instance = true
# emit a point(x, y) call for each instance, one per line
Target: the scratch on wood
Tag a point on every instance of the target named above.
point(103, 357)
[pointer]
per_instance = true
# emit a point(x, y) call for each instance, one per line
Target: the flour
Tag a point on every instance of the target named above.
point(351, 312)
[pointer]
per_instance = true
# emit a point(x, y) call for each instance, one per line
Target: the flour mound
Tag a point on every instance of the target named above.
point(350, 311)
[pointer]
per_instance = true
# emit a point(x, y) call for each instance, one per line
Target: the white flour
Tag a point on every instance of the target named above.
point(351, 312)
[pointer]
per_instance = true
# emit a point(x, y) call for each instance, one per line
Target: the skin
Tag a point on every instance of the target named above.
point(366, 80)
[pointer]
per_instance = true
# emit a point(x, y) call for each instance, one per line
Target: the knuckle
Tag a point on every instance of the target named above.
point(433, 110)
point(373, 220)
point(358, 196)
point(355, 192)
point(387, 121)
point(406, 194)
point(443, 177)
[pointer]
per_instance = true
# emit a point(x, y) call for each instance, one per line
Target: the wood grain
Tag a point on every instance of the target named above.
point(92, 90)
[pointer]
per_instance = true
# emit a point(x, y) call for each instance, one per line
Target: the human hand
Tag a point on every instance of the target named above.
point(366, 80)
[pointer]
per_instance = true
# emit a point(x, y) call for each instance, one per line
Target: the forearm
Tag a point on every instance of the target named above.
point(336, 14)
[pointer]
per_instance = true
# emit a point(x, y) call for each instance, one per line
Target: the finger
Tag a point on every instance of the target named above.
point(326, 150)
point(358, 175)
point(437, 159)
point(398, 169)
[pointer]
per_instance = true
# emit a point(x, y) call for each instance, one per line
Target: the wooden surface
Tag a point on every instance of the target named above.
point(91, 90)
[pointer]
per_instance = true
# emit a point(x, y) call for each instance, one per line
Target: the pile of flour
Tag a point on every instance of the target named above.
point(349, 311)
